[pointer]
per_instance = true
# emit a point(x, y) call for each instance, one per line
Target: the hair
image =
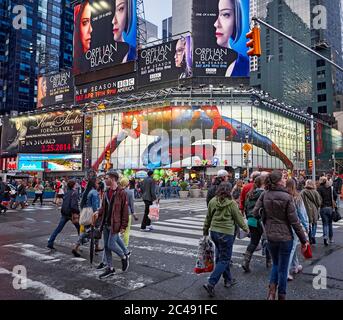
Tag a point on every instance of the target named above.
point(71, 184)
point(254, 175)
point(237, 31)
point(150, 173)
point(291, 187)
point(323, 180)
point(258, 183)
point(187, 62)
point(129, 18)
point(124, 182)
point(224, 191)
point(113, 174)
point(90, 185)
point(273, 179)
point(310, 184)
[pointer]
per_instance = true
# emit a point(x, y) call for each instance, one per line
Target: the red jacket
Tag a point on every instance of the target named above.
point(246, 189)
point(120, 213)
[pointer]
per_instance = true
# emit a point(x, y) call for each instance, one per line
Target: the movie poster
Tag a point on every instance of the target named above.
point(55, 89)
point(104, 34)
point(166, 62)
point(219, 35)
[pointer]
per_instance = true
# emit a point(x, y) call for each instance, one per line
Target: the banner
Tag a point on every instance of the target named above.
point(104, 34)
point(105, 88)
point(55, 89)
point(53, 132)
point(50, 162)
point(166, 62)
point(11, 132)
point(219, 35)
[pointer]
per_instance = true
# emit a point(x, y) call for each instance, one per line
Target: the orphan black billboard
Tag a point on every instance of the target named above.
point(166, 62)
point(219, 34)
point(104, 34)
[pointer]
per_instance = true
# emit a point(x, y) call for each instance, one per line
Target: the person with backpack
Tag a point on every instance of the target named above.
point(246, 189)
point(221, 217)
point(69, 212)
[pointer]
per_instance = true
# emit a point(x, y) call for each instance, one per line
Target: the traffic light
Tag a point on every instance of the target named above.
point(108, 155)
point(255, 42)
point(245, 155)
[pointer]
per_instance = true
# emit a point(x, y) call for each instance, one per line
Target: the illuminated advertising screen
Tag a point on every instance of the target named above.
point(105, 89)
point(104, 34)
point(10, 137)
point(53, 132)
point(166, 62)
point(55, 89)
point(219, 35)
point(198, 136)
point(50, 162)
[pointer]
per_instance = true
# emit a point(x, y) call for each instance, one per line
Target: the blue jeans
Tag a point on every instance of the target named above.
point(224, 245)
point(313, 230)
point(293, 258)
point(62, 223)
point(326, 215)
point(280, 252)
point(113, 242)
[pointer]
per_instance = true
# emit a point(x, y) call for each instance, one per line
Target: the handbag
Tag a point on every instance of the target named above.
point(307, 252)
point(336, 216)
point(154, 212)
point(86, 216)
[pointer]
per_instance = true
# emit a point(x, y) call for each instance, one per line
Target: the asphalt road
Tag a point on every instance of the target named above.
point(161, 264)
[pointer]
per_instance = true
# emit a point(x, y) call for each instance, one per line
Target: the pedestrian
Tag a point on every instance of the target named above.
point(2, 196)
point(222, 176)
point(59, 192)
point(124, 183)
point(114, 221)
point(337, 184)
point(236, 191)
point(312, 201)
point(221, 217)
point(246, 189)
point(329, 198)
point(277, 210)
point(21, 195)
point(255, 227)
point(294, 266)
point(90, 199)
point(39, 189)
point(69, 212)
point(149, 196)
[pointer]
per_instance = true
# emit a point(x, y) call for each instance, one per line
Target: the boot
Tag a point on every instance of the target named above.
point(272, 292)
point(246, 262)
point(269, 263)
point(281, 296)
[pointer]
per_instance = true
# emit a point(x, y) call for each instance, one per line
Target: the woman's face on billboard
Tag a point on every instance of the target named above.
point(225, 23)
point(86, 28)
point(119, 20)
point(179, 53)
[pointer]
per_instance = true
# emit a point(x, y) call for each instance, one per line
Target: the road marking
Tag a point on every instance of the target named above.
point(176, 224)
point(48, 292)
point(194, 223)
point(178, 230)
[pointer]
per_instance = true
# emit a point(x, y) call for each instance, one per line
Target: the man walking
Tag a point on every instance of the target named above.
point(149, 196)
point(39, 189)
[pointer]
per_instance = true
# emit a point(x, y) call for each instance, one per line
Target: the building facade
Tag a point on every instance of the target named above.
point(167, 29)
point(182, 16)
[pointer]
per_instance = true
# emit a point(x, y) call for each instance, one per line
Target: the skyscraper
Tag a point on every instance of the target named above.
point(182, 16)
point(167, 29)
point(44, 46)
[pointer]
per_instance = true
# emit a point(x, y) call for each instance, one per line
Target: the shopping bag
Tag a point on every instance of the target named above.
point(86, 216)
point(205, 257)
point(154, 212)
point(307, 252)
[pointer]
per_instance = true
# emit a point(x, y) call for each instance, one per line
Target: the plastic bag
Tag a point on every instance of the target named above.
point(154, 212)
point(205, 257)
point(86, 216)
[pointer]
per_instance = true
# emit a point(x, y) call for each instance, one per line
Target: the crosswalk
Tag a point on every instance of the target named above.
point(190, 207)
point(33, 208)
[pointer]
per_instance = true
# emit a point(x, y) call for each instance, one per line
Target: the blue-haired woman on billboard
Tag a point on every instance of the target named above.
point(123, 23)
point(229, 26)
point(183, 57)
point(82, 34)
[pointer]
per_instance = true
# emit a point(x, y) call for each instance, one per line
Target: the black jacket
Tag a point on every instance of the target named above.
point(149, 193)
point(326, 193)
point(70, 204)
point(337, 184)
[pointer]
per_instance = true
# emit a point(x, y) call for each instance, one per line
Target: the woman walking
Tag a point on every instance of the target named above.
point(222, 215)
point(255, 227)
point(329, 198)
point(277, 210)
point(312, 202)
point(294, 266)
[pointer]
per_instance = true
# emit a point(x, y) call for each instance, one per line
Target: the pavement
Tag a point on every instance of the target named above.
point(161, 264)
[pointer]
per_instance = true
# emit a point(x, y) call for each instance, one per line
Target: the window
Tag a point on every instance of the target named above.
point(323, 109)
point(321, 86)
point(321, 97)
point(321, 74)
point(55, 31)
point(320, 63)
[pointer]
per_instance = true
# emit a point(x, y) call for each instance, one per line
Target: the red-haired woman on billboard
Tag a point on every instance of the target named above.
point(229, 27)
point(82, 33)
point(183, 57)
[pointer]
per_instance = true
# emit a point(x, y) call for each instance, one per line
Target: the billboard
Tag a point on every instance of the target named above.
point(104, 34)
point(219, 35)
point(53, 132)
point(50, 162)
point(55, 89)
point(105, 89)
point(165, 62)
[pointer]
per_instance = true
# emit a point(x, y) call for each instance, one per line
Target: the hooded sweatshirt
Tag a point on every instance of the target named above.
point(222, 216)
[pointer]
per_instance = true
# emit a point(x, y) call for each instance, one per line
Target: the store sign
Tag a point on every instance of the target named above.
point(50, 162)
point(219, 34)
point(166, 62)
point(105, 33)
point(55, 89)
point(105, 89)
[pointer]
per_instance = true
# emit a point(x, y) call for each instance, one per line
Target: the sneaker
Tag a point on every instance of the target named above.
point(51, 247)
point(229, 283)
point(125, 263)
point(128, 254)
point(209, 289)
point(326, 242)
point(75, 253)
point(150, 227)
point(101, 266)
point(290, 278)
point(108, 273)
point(145, 230)
point(299, 268)
point(331, 241)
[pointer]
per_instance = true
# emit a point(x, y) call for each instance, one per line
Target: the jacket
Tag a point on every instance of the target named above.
point(325, 191)
point(222, 216)
point(131, 204)
point(70, 203)
point(301, 213)
point(250, 203)
point(245, 190)
point(119, 214)
point(312, 202)
point(149, 192)
point(279, 215)
point(93, 200)
point(337, 184)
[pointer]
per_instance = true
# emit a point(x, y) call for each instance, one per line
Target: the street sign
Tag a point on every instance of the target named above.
point(247, 147)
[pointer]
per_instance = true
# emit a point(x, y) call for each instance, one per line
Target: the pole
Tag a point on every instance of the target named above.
point(297, 42)
point(313, 156)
